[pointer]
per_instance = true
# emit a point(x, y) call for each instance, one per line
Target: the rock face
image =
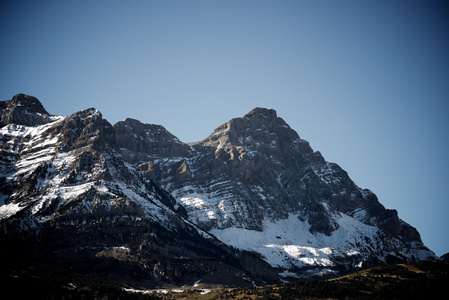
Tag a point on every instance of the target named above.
point(139, 142)
point(253, 184)
point(25, 110)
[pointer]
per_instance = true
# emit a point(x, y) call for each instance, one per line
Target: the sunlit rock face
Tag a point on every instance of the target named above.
point(253, 184)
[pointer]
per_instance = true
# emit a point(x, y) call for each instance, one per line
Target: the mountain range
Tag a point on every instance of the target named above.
point(250, 204)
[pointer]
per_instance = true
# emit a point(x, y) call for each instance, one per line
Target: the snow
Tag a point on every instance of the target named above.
point(31, 162)
point(24, 138)
point(200, 205)
point(326, 173)
point(92, 113)
point(8, 210)
point(185, 289)
point(289, 243)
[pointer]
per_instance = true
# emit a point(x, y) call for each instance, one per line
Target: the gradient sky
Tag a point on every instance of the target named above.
point(365, 82)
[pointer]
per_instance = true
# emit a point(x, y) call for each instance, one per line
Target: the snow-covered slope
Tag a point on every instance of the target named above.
point(46, 174)
point(289, 245)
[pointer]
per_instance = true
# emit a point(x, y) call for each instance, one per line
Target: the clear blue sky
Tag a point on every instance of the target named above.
point(365, 82)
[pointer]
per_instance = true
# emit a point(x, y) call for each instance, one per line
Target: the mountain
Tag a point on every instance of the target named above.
point(65, 191)
point(445, 257)
point(252, 201)
point(256, 185)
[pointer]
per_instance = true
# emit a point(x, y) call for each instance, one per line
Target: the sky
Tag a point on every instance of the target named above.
point(365, 82)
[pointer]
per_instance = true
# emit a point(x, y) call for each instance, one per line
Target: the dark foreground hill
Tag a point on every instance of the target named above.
point(420, 280)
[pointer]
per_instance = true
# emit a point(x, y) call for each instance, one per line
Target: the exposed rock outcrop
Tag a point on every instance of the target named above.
point(23, 110)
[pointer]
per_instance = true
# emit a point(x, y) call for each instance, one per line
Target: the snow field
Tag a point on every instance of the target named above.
point(289, 243)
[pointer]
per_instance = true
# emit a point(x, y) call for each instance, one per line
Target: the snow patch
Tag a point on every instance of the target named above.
point(8, 210)
point(288, 243)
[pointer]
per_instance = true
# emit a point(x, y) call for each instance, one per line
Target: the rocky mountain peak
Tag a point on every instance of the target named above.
point(24, 110)
point(29, 102)
point(259, 127)
point(257, 119)
point(264, 114)
point(137, 141)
